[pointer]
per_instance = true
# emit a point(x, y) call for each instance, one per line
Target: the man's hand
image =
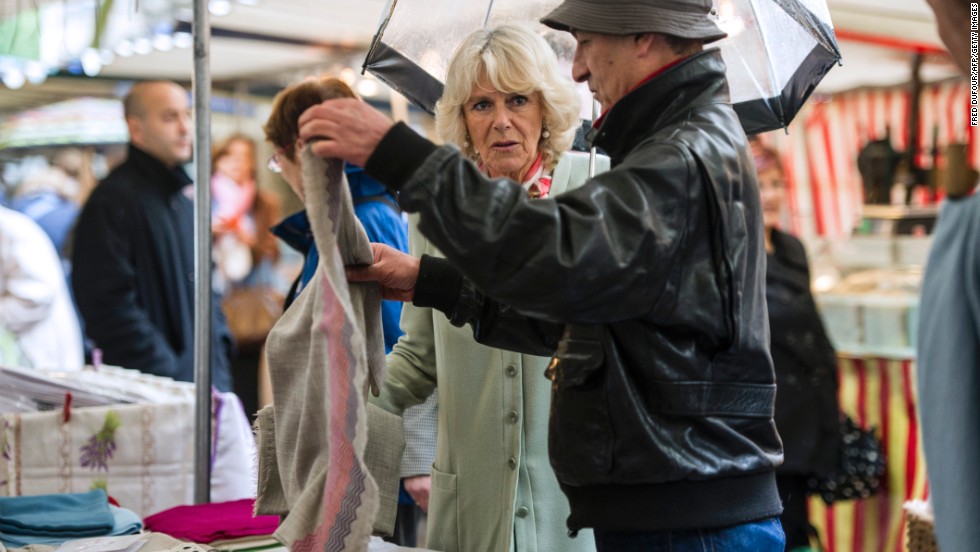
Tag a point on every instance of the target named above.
point(418, 488)
point(395, 271)
point(345, 128)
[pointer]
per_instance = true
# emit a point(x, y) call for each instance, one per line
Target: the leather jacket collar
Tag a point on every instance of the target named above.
point(698, 80)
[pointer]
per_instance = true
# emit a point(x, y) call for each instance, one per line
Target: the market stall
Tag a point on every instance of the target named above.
point(826, 190)
point(864, 191)
point(871, 315)
point(877, 392)
point(827, 203)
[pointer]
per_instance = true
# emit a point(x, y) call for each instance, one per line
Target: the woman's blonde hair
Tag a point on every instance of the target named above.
point(516, 60)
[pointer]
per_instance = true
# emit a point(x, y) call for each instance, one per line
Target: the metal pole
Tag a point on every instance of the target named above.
point(202, 254)
point(592, 152)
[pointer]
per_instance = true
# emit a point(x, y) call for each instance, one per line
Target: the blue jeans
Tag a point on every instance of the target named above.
point(761, 536)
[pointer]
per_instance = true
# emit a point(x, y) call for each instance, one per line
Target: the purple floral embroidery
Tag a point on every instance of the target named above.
point(97, 451)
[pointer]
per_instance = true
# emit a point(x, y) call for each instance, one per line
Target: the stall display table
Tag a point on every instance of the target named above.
point(878, 392)
point(140, 453)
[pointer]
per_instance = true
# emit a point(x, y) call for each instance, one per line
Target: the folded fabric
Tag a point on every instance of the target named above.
point(207, 523)
point(123, 522)
point(122, 543)
point(246, 544)
point(56, 515)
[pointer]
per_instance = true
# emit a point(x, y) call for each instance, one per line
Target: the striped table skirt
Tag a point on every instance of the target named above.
point(881, 393)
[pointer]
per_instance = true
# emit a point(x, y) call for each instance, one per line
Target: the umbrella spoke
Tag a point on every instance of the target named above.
point(820, 31)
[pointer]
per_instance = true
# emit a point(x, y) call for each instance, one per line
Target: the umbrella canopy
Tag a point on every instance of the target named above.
point(417, 38)
point(777, 51)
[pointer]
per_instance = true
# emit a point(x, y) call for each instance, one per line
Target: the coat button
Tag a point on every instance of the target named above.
point(522, 512)
point(512, 462)
point(511, 370)
point(513, 417)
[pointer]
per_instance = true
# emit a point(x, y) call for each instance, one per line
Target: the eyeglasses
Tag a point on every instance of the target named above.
point(275, 162)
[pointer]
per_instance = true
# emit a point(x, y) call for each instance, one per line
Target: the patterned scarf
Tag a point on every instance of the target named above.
point(322, 355)
point(537, 181)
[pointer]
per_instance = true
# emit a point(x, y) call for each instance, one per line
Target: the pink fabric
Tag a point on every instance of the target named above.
point(537, 182)
point(206, 523)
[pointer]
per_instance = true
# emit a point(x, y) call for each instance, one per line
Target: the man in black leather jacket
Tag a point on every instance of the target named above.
point(646, 284)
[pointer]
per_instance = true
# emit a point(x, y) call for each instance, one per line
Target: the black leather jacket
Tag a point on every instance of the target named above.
point(647, 286)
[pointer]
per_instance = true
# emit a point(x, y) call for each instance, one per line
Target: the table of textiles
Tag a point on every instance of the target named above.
point(140, 454)
point(877, 392)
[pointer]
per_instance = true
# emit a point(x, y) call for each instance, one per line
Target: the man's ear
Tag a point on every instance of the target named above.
point(646, 43)
point(135, 129)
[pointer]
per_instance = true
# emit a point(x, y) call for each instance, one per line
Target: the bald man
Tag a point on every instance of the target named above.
point(133, 259)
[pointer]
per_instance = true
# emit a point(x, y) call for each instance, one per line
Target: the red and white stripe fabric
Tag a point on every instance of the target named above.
point(880, 393)
point(822, 144)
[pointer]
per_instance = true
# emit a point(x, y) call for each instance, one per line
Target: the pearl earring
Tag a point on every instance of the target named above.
point(466, 142)
point(546, 134)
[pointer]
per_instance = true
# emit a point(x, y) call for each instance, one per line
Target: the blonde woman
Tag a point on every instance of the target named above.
point(508, 108)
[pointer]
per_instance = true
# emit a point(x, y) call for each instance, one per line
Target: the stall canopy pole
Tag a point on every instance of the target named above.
point(202, 254)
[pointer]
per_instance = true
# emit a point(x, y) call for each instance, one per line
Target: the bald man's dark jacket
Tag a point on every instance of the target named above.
point(133, 273)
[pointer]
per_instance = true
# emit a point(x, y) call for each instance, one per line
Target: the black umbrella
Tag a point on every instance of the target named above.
point(777, 51)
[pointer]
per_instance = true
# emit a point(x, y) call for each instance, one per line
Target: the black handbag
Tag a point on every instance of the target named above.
point(860, 466)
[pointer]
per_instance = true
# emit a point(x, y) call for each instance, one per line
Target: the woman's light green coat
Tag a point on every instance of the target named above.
point(491, 480)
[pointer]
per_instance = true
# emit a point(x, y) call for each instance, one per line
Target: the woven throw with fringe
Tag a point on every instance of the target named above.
point(323, 354)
